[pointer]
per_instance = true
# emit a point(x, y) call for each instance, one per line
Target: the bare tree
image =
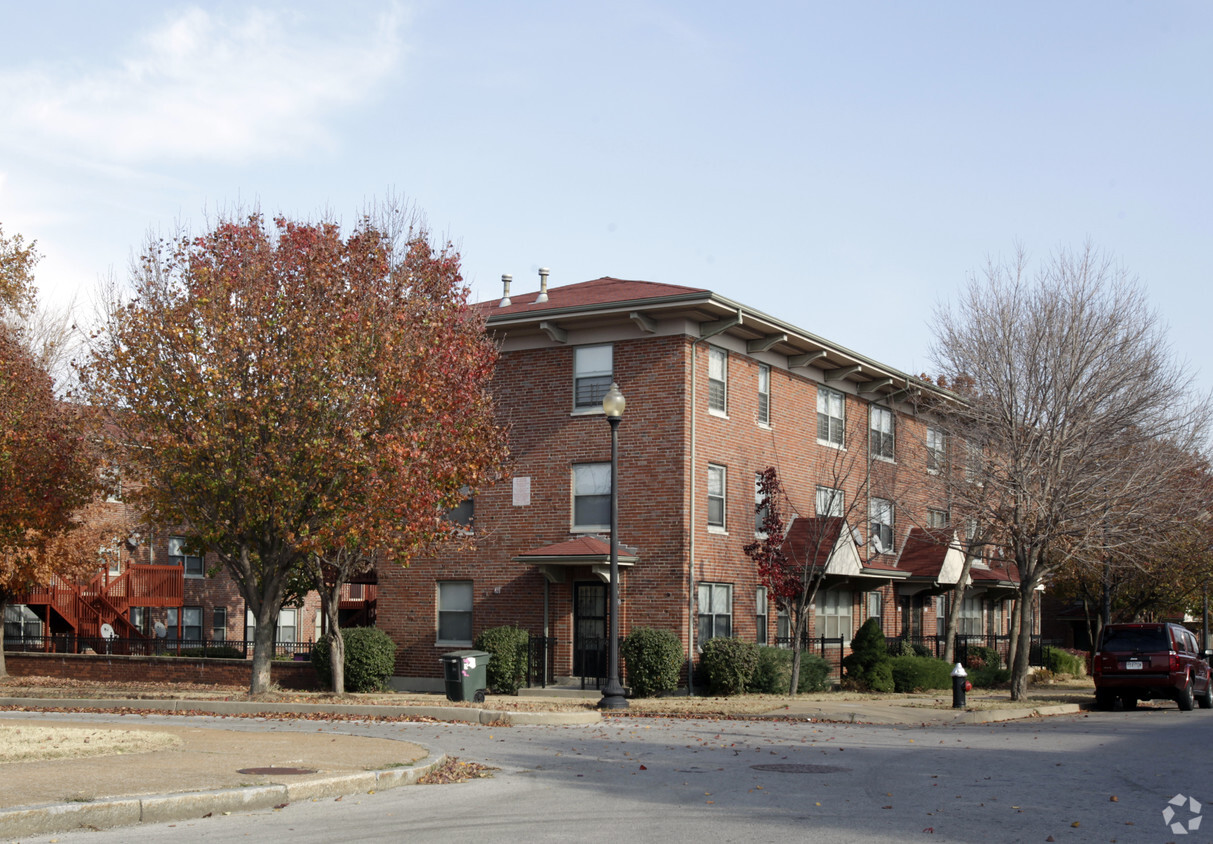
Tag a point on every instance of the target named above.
point(1076, 407)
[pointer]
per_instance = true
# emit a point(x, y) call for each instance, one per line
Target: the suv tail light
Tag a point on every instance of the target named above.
point(1175, 664)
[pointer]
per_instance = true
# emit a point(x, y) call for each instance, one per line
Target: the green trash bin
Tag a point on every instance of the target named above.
point(466, 675)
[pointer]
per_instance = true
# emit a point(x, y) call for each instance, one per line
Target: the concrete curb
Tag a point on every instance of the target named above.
point(935, 717)
point(192, 805)
point(236, 707)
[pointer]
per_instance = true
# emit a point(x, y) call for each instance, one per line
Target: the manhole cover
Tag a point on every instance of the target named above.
point(793, 768)
point(271, 771)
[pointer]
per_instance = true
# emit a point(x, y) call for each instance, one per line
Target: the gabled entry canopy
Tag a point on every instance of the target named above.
point(593, 551)
point(827, 544)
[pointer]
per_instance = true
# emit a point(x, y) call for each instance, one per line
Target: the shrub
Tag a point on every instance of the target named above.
point(370, 659)
point(506, 672)
point(773, 672)
point(728, 663)
point(868, 653)
point(979, 656)
point(919, 673)
point(653, 659)
point(1061, 661)
point(987, 677)
point(1041, 677)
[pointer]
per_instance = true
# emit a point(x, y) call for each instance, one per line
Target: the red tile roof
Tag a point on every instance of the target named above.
point(582, 546)
point(597, 292)
point(814, 538)
point(924, 550)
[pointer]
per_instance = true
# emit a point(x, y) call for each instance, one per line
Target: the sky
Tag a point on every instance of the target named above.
point(844, 167)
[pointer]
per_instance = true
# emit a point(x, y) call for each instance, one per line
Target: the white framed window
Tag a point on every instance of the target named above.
point(833, 614)
point(141, 620)
point(970, 616)
point(593, 371)
point(760, 507)
point(937, 518)
point(937, 450)
point(880, 432)
point(288, 625)
point(718, 380)
point(177, 556)
point(20, 622)
point(455, 612)
point(830, 501)
point(783, 628)
point(764, 394)
point(219, 624)
point(831, 416)
point(974, 461)
point(717, 484)
point(761, 608)
point(875, 604)
point(880, 525)
point(715, 610)
point(591, 496)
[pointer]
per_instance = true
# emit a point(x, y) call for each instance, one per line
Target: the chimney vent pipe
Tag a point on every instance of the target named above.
point(543, 284)
point(506, 278)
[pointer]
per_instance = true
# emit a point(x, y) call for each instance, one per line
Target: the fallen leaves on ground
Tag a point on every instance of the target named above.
point(453, 770)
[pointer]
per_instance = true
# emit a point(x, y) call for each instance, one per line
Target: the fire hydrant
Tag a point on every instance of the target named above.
point(960, 684)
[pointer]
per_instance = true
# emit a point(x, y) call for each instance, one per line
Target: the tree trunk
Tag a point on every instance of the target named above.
point(958, 595)
point(1013, 635)
point(797, 636)
point(1019, 671)
point(330, 602)
point(263, 653)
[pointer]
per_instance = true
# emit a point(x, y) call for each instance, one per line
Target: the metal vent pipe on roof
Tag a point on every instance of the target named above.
point(543, 284)
point(506, 278)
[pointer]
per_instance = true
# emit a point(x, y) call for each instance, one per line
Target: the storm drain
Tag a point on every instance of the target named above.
point(271, 771)
point(794, 768)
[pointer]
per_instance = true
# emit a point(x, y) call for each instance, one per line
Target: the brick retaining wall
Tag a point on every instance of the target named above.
point(156, 669)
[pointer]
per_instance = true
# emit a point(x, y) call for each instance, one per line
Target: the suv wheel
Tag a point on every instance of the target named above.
point(1184, 697)
point(1206, 700)
point(1105, 700)
point(1129, 702)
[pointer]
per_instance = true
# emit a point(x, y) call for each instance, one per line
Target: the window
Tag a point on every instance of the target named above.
point(177, 556)
point(593, 371)
point(834, 614)
point(760, 507)
point(716, 488)
point(591, 496)
point(20, 622)
point(764, 394)
point(455, 612)
point(219, 624)
point(783, 628)
point(191, 623)
point(829, 501)
point(718, 377)
point(715, 610)
point(937, 518)
point(880, 517)
point(288, 625)
point(465, 512)
point(973, 463)
point(111, 480)
point(970, 616)
point(937, 450)
point(760, 615)
point(875, 605)
point(141, 620)
point(830, 416)
point(880, 425)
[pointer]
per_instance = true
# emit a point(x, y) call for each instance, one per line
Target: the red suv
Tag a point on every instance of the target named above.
point(1157, 660)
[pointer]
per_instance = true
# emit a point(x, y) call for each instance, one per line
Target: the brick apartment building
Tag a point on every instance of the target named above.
point(716, 392)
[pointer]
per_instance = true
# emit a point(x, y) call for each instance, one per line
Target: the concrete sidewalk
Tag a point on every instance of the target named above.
point(209, 771)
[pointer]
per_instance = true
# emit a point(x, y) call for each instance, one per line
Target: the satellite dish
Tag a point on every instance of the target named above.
point(877, 545)
point(107, 631)
point(161, 630)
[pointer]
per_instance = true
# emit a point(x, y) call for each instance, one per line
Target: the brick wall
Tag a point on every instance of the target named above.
point(134, 669)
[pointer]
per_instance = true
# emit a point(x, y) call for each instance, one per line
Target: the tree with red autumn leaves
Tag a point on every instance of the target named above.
point(297, 399)
point(48, 471)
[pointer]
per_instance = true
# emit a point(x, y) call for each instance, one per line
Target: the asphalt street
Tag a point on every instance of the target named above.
point(1102, 776)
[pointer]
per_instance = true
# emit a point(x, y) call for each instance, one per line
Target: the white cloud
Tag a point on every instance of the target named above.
point(204, 87)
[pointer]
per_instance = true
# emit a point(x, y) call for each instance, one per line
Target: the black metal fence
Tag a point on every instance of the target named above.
point(828, 648)
point(70, 643)
point(540, 658)
point(935, 646)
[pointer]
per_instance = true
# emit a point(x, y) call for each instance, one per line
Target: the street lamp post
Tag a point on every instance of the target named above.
point(612, 696)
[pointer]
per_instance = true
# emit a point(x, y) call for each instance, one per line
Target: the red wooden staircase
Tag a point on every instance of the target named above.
point(107, 599)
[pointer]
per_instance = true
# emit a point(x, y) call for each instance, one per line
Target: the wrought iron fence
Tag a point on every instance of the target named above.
point(540, 657)
point(829, 648)
point(935, 646)
point(119, 646)
point(590, 661)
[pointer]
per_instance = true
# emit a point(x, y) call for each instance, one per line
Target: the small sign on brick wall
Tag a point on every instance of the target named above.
point(522, 492)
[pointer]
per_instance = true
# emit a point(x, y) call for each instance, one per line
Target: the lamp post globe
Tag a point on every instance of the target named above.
point(613, 404)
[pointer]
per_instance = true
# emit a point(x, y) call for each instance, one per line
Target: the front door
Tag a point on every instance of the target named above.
point(589, 628)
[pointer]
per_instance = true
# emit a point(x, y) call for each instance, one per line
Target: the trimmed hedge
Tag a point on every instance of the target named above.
point(506, 671)
point(729, 664)
point(1061, 661)
point(920, 673)
point(867, 664)
point(773, 672)
point(653, 659)
point(979, 656)
point(370, 659)
point(984, 678)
